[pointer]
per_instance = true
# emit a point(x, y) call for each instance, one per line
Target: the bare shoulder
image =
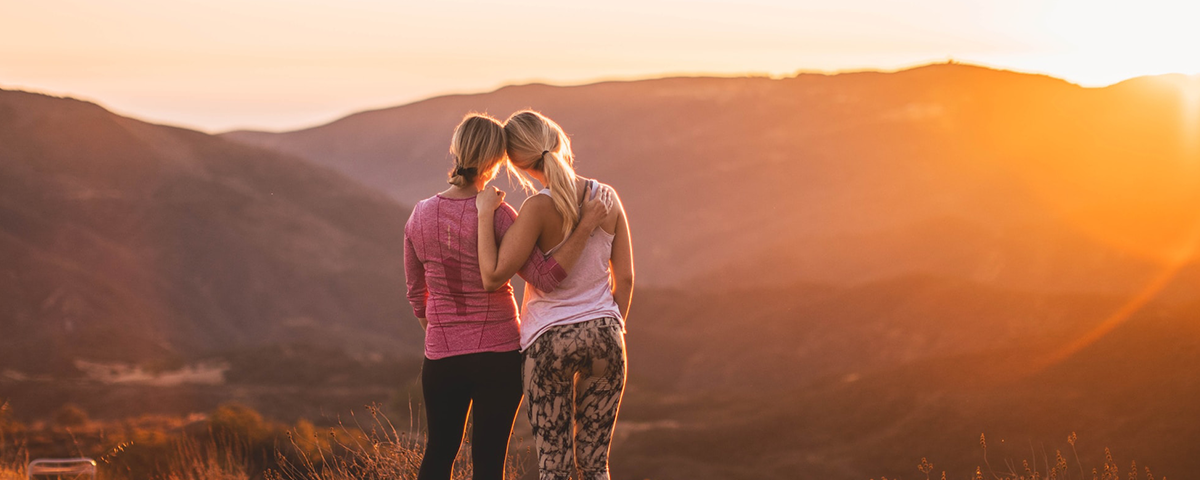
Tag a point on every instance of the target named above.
point(612, 193)
point(537, 204)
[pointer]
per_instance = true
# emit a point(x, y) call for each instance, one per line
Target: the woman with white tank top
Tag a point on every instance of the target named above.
point(573, 338)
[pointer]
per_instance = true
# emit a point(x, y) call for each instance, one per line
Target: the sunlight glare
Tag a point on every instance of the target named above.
point(1109, 40)
point(1147, 294)
point(1190, 88)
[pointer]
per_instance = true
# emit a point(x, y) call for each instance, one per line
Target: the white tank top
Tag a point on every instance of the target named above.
point(586, 293)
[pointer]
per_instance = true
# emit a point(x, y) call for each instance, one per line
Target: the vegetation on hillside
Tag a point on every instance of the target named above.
point(1046, 467)
point(234, 442)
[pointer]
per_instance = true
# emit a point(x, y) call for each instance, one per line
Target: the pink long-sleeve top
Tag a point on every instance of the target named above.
point(441, 267)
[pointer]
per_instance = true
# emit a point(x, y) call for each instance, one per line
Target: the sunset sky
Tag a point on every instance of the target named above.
point(282, 64)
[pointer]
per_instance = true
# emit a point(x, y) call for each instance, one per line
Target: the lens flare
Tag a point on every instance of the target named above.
point(1190, 123)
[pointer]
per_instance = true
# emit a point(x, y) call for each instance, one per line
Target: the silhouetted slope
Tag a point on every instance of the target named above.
point(995, 176)
point(126, 241)
point(808, 381)
point(865, 268)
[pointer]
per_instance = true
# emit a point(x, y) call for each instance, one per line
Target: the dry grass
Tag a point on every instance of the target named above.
point(12, 473)
point(211, 460)
point(1046, 468)
point(375, 451)
point(236, 443)
point(12, 458)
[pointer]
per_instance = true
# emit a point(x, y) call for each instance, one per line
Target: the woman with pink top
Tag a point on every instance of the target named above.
point(472, 361)
point(572, 336)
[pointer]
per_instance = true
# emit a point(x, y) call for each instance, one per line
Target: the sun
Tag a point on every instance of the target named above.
point(1104, 41)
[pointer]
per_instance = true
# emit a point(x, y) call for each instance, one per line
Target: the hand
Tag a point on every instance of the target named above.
point(595, 211)
point(488, 200)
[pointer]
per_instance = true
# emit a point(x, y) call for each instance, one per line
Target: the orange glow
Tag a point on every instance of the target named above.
point(1175, 250)
point(1136, 303)
point(278, 65)
point(1191, 118)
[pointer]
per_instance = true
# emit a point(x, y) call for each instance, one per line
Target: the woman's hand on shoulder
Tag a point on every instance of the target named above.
point(488, 200)
point(596, 210)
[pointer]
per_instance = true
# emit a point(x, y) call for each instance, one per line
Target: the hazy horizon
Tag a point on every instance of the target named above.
point(334, 116)
point(274, 65)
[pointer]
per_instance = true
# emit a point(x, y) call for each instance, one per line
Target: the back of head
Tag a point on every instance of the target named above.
point(537, 143)
point(478, 147)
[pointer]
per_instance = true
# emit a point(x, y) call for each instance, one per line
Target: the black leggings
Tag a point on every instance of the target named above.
point(488, 384)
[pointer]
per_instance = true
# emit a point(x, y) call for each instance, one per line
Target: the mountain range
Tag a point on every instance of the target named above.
point(129, 242)
point(837, 274)
point(949, 169)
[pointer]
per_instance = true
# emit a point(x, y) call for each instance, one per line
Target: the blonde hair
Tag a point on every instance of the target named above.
point(478, 147)
point(537, 143)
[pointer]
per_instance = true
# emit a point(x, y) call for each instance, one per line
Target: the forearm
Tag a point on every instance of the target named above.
point(623, 295)
point(569, 252)
point(424, 323)
point(546, 273)
point(542, 272)
point(488, 252)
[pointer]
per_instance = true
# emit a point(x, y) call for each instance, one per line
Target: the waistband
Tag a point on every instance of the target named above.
point(593, 323)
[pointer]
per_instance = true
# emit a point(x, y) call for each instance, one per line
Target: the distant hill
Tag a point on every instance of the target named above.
point(127, 242)
point(850, 272)
point(986, 175)
point(863, 382)
point(838, 274)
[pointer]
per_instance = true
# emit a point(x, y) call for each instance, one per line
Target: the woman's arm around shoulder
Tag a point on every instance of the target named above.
point(539, 270)
point(519, 241)
point(497, 263)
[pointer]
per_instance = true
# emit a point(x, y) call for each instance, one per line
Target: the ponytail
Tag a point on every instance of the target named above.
point(478, 146)
point(537, 143)
point(560, 178)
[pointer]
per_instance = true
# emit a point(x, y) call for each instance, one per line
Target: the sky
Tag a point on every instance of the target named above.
point(218, 65)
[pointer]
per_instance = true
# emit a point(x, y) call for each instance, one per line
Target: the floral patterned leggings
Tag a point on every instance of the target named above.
point(574, 377)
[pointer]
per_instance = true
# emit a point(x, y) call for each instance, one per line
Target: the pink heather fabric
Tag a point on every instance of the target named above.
point(441, 267)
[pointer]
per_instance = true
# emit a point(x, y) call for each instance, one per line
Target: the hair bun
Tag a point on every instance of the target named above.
point(465, 172)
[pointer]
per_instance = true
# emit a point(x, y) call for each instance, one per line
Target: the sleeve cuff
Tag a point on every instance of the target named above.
point(557, 272)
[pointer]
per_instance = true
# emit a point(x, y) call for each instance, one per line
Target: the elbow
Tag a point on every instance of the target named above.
point(491, 284)
point(624, 280)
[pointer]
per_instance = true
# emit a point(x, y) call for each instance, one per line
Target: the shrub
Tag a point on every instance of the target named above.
point(70, 415)
point(238, 421)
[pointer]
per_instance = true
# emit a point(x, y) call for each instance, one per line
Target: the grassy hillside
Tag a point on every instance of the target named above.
point(130, 243)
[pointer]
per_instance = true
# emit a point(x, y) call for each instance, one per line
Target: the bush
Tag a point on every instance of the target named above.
point(238, 421)
point(70, 416)
point(237, 443)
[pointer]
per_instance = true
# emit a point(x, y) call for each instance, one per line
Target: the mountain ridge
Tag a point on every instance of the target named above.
point(129, 241)
point(845, 154)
